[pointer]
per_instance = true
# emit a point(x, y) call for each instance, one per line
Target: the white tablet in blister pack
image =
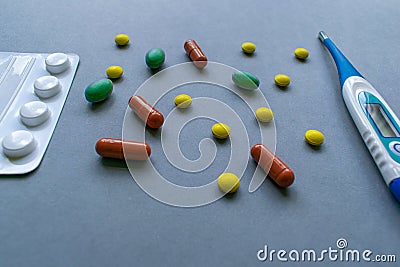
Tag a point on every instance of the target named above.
point(33, 90)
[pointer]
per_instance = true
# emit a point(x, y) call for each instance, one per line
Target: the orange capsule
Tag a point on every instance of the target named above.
point(279, 172)
point(151, 116)
point(122, 149)
point(195, 53)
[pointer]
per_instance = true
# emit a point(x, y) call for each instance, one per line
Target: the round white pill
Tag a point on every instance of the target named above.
point(57, 62)
point(47, 86)
point(34, 113)
point(18, 144)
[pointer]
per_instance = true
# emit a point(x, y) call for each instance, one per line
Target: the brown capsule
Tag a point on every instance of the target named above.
point(195, 53)
point(122, 149)
point(279, 172)
point(151, 116)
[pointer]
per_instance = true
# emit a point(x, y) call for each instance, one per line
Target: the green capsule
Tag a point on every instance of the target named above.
point(245, 80)
point(99, 90)
point(155, 58)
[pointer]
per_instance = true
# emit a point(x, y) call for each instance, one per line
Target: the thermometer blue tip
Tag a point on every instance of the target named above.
point(395, 188)
point(345, 68)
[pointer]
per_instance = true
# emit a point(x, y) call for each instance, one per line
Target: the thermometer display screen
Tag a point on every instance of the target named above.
point(382, 121)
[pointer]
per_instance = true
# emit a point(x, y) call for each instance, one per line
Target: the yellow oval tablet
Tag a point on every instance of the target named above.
point(114, 72)
point(264, 114)
point(248, 47)
point(314, 137)
point(282, 80)
point(228, 182)
point(301, 53)
point(183, 101)
point(121, 39)
point(221, 130)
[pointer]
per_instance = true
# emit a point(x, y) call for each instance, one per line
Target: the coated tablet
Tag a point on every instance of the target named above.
point(282, 80)
point(183, 101)
point(314, 137)
point(221, 130)
point(228, 182)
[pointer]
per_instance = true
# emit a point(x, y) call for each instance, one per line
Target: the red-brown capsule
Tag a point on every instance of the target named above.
point(279, 171)
point(195, 53)
point(122, 149)
point(151, 116)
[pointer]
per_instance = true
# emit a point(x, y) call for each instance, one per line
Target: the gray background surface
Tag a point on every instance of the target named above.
point(79, 210)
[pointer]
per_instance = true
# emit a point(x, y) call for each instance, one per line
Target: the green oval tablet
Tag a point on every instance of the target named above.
point(155, 58)
point(99, 90)
point(245, 80)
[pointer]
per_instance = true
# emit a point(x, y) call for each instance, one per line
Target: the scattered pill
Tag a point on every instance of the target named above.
point(314, 137)
point(148, 114)
point(245, 80)
point(122, 149)
point(47, 86)
point(277, 170)
point(221, 130)
point(301, 53)
point(34, 113)
point(155, 58)
point(121, 39)
point(57, 63)
point(282, 80)
point(99, 90)
point(248, 47)
point(18, 144)
point(195, 53)
point(264, 114)
point(114, 72)
point(228, 182)
point(183, 101)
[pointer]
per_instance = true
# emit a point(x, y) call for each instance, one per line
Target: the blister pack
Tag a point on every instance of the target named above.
point(33, 89)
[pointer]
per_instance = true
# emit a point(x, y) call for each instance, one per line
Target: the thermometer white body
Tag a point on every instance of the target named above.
point(379, 127)
point(389, 167)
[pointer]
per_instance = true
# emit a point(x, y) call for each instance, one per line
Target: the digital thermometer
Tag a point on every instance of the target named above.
point(375, 120)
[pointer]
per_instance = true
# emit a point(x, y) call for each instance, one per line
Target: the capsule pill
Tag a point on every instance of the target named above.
point(147, 113)
point(314, 137)
point(183, 101)
point(121, 39)
point(228, 182)
point(122, 149)
point(277, 170)
point(301, 53)
point(221, 130)
point(195, 53)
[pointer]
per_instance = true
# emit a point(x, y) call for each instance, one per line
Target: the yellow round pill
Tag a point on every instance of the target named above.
point(314, 137)
point(183, 101)
point(114, 72)
point(248, 47)
point(264, 114)
point(121, 39)
point(228, 182)
point(282, 80)
point(301, 53)
point(221, 130)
